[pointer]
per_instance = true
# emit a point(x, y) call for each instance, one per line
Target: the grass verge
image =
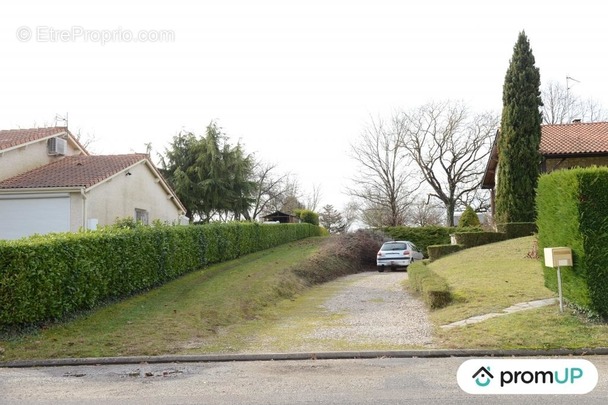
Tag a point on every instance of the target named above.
point(210, 310)
point(489, 278)
point(492, 277)
point(173, 317)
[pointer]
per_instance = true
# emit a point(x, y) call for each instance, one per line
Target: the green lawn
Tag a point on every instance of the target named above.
point(492, 277)
point(226, 307)
point(176, 316)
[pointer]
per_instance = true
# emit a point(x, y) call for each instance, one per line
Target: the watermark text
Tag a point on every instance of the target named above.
point(76, 33)
point(527, 376)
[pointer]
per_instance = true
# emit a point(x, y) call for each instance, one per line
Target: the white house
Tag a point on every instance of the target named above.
point(50, 183)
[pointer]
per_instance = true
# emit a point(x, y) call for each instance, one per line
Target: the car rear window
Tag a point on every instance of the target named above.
point(394, 246)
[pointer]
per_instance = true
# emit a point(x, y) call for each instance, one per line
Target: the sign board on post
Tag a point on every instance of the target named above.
point(557, 257)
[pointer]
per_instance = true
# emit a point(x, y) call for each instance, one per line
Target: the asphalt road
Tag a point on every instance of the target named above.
point(369, 379)
point(356, 381)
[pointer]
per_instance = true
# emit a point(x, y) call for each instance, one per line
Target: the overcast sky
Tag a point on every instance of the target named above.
point(295, 82)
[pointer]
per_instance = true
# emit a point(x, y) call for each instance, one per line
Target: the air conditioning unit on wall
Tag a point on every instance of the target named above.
point(57, 146)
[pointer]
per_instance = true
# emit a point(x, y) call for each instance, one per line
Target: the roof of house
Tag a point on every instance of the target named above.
point(573, 139)
point(559, 140)
point(10, 138)
point(279, 214)
point(73, 172)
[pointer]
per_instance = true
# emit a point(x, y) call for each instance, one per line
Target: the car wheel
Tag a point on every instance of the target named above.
point(381, 269)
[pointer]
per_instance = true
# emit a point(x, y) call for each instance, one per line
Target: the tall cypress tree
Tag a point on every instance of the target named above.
point(519, 140)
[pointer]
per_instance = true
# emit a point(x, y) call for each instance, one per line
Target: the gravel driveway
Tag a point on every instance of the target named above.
point(376, 308)
point(365, 311)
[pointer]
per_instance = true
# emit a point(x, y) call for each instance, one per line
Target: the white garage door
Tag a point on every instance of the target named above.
point(25, 216)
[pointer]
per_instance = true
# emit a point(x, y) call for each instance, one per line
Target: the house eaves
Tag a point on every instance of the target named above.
point(40, 190)
point(490, 173)
point(61, 132)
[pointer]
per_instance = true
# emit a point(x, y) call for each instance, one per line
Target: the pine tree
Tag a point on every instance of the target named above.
point(519, 140)
point(210, 176)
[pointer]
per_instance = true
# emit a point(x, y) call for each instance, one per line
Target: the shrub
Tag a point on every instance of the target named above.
point(572, 211)
point(421, 237)
point(438, 251)
point(343, 254)
point(308, 216)
point(469, 218)
point(48, 277)
point(425, 236)
point(517, 229)
point(472, 239)
point(434, 289)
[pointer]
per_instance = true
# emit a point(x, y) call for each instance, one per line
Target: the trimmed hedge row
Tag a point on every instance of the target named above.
point(472, 239)
point(48, 277)
point(572, 210)
point(517, 229)
point(434, 289)
point(425, 236)
point(439, 251)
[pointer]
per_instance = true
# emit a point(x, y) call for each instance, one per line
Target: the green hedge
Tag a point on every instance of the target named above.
point(472, 239)
point(517, 229)
point(434, 289)
point(572, 210)
point(425, 236)
point(48, 277)
point(438, 251)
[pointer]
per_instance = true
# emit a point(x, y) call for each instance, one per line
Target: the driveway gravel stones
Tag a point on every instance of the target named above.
point(376, 309)
point(365, 311)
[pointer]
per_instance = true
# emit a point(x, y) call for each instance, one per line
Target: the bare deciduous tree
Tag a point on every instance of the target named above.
point(449, 148)
point(269, 189)
point(292, 199)
point(425, 213)
point(86, 140)
point(350, 212)
point(375, 216)
point(561, 106)
point(385, 184)
point(313, 199)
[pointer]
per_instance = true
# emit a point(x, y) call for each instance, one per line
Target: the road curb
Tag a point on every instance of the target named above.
point(218, 358)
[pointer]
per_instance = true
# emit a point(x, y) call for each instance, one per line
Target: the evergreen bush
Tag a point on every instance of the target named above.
point(572, 212)
point(434, 289)
point(469, 218)
point(438, 251)
point(472, 239)
point(45, 278)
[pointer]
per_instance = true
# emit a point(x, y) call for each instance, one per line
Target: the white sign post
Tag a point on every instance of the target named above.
point(557, 257)
point(559, 289)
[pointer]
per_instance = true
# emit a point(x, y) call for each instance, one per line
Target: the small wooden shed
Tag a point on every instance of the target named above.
point(281, 217)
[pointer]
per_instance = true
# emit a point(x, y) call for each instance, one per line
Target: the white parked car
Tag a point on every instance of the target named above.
point(397, 253)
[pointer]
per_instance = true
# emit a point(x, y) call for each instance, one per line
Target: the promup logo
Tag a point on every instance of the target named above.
point(483, 377)
point(527, 376)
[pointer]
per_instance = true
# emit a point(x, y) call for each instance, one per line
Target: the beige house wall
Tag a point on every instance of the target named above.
point(25, 158)
point(567, 163)
point(76, 212)
point(122, 194)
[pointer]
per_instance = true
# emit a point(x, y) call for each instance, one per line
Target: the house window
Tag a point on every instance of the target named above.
point(141, 216)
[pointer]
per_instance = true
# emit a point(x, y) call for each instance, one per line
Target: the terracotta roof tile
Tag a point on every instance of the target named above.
point(14, 137)
point(576, 138)
point(73, 171)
